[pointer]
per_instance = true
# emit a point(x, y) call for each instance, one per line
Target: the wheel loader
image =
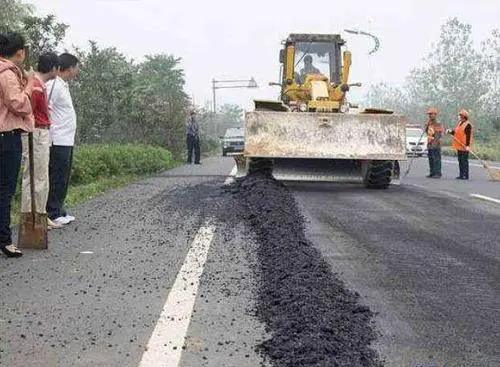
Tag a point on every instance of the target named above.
point(312, 132)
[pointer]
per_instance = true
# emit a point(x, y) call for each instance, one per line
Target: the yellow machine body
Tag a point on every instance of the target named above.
point(312, 132)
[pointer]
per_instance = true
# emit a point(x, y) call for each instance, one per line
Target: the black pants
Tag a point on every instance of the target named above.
point(10, 164)
point(193, 143)
point(61, 158)
point(434, 155)
point(463, 163)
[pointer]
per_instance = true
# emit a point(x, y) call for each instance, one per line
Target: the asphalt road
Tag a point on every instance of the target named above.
point(167, 273)
point(479, 183)
point(425, 256)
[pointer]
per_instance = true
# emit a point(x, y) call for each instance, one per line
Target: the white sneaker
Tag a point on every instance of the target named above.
point(62, 221)
point(70, 218)
point(53, 225)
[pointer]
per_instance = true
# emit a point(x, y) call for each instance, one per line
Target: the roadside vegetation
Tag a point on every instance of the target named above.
point(487, 152)
point(100, 168)
point(450, 79)
point(130, 114)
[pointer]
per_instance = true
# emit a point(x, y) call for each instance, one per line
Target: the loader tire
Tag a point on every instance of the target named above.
point(378, 174)
point(260, 166)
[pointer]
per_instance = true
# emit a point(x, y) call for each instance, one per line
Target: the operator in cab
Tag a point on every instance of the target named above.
point(309, 68)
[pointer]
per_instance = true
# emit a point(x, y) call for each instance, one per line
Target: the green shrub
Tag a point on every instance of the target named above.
point(94, 162)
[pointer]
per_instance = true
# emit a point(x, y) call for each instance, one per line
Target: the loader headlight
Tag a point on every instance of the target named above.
point(303, 107)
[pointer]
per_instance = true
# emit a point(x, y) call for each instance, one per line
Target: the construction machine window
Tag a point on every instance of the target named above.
point(314, 58)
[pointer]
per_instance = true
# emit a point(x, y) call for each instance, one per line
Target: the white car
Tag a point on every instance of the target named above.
point(233, 141)
point(416, 142)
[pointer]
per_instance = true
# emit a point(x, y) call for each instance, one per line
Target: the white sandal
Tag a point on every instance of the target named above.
point(11, 251)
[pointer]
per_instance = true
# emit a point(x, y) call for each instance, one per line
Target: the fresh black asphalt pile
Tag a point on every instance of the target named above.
point(312, 318)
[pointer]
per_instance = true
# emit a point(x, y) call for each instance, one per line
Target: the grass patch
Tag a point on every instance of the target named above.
point(100, 168)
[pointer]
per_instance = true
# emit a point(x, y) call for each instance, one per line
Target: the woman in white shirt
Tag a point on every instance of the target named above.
point(62, 134)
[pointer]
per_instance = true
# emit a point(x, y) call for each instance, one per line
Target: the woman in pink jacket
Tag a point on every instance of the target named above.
point(16, 117)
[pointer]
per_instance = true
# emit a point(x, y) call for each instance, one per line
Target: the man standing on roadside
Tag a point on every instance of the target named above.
point(16, 117)
point(48, 66)
point(62, 134)
point(462, 140)
point(435, 131)
point(193, 138)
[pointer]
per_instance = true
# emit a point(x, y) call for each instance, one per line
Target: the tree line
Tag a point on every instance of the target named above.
point(455, 74)
point(116, 98)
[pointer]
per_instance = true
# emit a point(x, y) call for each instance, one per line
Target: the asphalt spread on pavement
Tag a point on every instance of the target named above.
point(313, 319)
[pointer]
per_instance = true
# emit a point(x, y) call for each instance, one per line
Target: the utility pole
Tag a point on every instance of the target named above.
point(236, 83)
point(213, 92)
point(228, 84)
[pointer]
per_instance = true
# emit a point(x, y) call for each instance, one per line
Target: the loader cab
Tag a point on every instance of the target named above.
point(323, 50)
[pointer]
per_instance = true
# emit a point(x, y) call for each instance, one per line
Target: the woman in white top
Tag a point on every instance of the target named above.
point(62, 134)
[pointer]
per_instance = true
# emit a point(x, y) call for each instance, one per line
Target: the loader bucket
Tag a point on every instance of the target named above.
point(332, 147)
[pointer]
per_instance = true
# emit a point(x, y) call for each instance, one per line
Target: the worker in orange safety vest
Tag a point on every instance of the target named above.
point(462, 140)
point(435, 132)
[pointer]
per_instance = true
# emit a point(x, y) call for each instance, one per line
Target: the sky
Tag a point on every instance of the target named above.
point(231, 39)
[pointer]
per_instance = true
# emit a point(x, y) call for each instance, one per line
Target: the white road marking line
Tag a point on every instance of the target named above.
point(232, 174)
point(86, 252)
point(486, 198)
point(172, 326)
